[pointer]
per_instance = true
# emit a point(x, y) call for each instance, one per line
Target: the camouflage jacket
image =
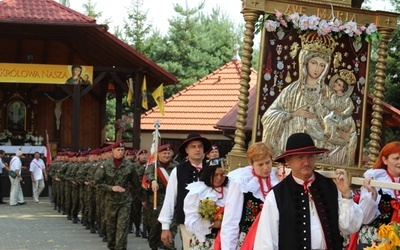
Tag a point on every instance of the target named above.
point(125, 176)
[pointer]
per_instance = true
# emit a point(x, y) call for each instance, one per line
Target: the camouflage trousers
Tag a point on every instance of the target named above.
point(136, 211)
point(117, 225)
point(155, 227)
point(90, 200)
point(75, 206)
point(67, 197)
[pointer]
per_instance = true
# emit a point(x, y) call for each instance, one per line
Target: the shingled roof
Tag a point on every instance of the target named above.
point(200, 106)
point(41, 11)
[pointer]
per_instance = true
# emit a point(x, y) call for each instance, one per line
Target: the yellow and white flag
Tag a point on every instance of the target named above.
point(130, 91)
point(144, 94)
point(158, 96)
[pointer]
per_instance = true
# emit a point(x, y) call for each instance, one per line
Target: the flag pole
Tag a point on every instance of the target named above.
point(48, 152)
point(156, 125)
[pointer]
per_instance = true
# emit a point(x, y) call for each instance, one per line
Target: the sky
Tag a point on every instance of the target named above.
point(159, 11)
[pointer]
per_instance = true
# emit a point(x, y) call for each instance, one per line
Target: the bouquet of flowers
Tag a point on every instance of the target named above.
point(390, 235)
point(209, 210)
point(125, 123)
point(5, 135)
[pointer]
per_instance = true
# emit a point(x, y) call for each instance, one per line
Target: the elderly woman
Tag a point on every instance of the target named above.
point(211, 189)
point(248, 187)
point(380, 205)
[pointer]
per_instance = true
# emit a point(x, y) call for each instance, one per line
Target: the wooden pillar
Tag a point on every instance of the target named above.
point(118, 109)
point(237, 156)
point(76, 101)
point(379, 89)
point(137, 109)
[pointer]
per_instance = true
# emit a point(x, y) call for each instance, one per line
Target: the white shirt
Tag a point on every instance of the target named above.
point(241, 181)
point(1, 166)
point(193, 221)
point(267, 236)
point(16, 164)
point(36, 167)
point(368, 205)
point(167, 210)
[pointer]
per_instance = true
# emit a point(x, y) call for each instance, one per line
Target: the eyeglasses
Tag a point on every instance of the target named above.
point(214, 162)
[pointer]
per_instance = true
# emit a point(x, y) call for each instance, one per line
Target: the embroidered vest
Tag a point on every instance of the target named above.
point(252, 206)
point(294, 213)
point(185, 174)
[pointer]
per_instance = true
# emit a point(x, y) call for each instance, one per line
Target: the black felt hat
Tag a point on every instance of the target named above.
point(194, 137)
point(300, 144)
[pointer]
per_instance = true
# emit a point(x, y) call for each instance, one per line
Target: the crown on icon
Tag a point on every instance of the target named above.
point(323, 44)
point(347, 76)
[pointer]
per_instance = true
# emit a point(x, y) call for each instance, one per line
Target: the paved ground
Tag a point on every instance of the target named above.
point(36, 226)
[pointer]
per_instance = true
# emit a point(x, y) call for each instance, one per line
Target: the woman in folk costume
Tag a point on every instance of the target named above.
point(380, 205)
point(248, 187)
point(204, 205)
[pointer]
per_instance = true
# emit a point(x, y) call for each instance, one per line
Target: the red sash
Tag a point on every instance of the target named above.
point(37, 165)
point(163, 178)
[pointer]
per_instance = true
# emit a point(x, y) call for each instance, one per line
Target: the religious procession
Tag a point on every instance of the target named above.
point(295, 153)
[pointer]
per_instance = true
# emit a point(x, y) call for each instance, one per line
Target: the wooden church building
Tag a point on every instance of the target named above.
point(42, 44)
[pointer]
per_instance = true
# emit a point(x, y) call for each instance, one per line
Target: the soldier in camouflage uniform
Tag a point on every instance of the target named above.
point(137, 212)
point(100, 194)
point(52, 171)
point(159, 184)
point(115, 177)
point(59, 178)
point(67, 181)
point(90, 198)
point(75, 206)
point(80, 178)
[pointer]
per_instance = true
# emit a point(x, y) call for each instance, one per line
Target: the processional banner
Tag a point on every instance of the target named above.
point(45, 73)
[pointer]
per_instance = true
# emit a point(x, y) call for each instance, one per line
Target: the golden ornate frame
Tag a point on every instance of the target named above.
point(253, 9)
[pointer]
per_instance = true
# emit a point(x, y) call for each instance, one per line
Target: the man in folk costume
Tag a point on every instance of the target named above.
point(158, 185)
point(188, 171)
point(38, 175)
point(307, 210)
point(116, 176)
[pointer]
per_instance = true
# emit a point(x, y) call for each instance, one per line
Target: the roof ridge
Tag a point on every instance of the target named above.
point(45, 11)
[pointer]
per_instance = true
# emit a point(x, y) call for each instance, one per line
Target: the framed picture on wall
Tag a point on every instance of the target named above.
point(16, 115)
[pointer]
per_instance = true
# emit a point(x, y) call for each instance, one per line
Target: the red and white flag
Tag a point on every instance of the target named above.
point(48, 152)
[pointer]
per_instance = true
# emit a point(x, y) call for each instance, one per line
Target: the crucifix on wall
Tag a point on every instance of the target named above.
point(57, 108)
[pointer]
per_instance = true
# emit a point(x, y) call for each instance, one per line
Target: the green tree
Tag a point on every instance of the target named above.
point(90, 10)
point(137, 27)
point(65, 2)
point(196, 44)
point(110, 113)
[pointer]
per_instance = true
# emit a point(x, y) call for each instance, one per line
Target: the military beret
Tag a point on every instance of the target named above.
point(106, 149)
point(214, 147)
point(165, 147)
point(93, 151)
point(85, 153)
point(142, 151)
point(71, 154)
point(118, 144)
